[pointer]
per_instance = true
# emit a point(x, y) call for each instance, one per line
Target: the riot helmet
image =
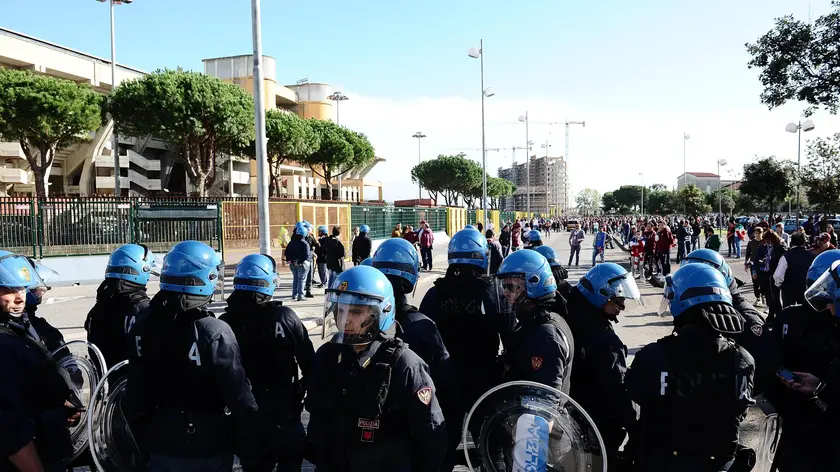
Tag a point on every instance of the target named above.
point(360, 305)
point(17, 276)
point(256, 273)
point(469, 247)
point(824, 292)
point(367, 262)
point(609, 283)
point(398, 258)
point(701, 286)
point(711, 258)
point(364, 229)
point(535, 238)
point(191, 267)
point(134, 263)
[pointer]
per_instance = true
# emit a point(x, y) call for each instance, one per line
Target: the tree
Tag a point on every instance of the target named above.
point(429, 175)
point(766, 180)
point(288, 137)
point(202, 116)
point(798, 60)
point(657, 188)
point(498, 188)
point(452, 176)
point(44, 115)
point(588, 201)
point(628, 197)
point(727, 200)
point(341, 150)
point(692, 201)
point(660, 202)
point(822, 173)
point(609, 203)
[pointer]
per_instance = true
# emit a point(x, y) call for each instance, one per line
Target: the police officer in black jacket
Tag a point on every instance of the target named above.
point(398, 260)
point(464, 305)
point(35, 410)
point(600, 356)
point(274, 344)
point(541, 348)
point(119, 298)
point(187, 392)
point(808, 340)
point(693, 387)
point(361, 245)
point(371, 401)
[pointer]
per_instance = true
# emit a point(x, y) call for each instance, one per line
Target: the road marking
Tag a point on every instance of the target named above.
point(55, 300)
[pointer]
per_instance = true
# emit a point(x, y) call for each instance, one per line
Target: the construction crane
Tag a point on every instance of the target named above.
point(566, 157)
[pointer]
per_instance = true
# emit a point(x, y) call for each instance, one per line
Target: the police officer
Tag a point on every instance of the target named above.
point(187, 391)
point(534, 239)
point(398, 260)
point(371, 401)
point(274, 344)
point(694, 386)
point(464, 304)
point(314, 246)
point(35, 410)
point(808, 340)
point(361, 245)
point(542, 347)
point(752, 336)
point(600, 357)
point(119, 298)
point(39, 328)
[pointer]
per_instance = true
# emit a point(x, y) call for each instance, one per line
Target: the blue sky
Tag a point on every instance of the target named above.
point(639, 72)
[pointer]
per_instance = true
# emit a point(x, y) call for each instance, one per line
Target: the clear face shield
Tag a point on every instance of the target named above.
point(154, 262)
point(351, 318)
point(821, 293)
point(509, 292)
point(665, 304)
point(624, 288)
point(18, 274)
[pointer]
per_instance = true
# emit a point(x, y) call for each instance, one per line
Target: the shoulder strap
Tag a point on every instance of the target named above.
point(390, 351)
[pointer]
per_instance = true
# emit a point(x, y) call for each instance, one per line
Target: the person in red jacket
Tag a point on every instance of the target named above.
point(427, 240)
point(663, 248)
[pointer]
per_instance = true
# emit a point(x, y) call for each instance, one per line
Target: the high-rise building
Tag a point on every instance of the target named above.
point(548, 185)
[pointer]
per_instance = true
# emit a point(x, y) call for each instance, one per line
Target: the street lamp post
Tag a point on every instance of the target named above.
point(806, 126)
point(524, 119)
point(259, 121)
point(686, 137)
point(338, 97)
point(643, 194)
point(115, 143)
point(485, 92)
point(720, 162)
point(419, 135)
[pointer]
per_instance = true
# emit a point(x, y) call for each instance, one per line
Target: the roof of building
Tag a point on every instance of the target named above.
point(733, 186)
point(701, 174)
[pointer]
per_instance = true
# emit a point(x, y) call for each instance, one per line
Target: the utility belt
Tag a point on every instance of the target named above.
point(185, 433)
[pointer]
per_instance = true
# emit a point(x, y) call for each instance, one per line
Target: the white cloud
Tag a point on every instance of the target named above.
point(610, 151)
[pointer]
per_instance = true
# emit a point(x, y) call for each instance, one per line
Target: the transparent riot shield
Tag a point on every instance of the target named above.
point(112, 443)
point(527, 426)
point(769, 436)
point(84, 365)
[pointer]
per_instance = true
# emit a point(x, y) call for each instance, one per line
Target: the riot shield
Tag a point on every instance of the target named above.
point(527, 426)
point(84, 365)
point(112, 444)
point(769, 437)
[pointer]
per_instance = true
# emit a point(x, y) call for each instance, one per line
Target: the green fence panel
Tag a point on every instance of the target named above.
point(160, 225)
point(83, 227)
point(471, 217)
point(505, 216)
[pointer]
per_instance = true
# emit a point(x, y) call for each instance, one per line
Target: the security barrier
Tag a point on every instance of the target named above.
point(382, 220)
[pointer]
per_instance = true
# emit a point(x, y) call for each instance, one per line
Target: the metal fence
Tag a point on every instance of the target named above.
point(383, 220)
point(94, 226)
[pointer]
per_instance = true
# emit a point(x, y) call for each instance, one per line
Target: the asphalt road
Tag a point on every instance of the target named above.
point(67, 307)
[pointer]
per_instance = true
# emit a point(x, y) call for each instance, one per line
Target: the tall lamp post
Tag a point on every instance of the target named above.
point(419, 135)
point(115, 143)
point(720, 163)
point(806, 126)
point(259, 121)
point(643, 194)
point(338, 97)
point(686, 137)
point(524, 119)
point(485, 92)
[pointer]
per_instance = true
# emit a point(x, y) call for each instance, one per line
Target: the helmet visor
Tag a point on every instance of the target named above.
point(625, 287)
point(154, 263)
point(509, 292)
point(821, 293)
point(19, 272)
point(351, 318)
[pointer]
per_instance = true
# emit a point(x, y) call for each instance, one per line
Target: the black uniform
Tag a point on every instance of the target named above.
point(32, 399)
point(753, 338)
point(361, 248)
point(187, 390)
point(422, 335)
point(273, 344)
point(541, 350)
point(693, 390)
point(598, 377)
point(117, 304)
point(374, 411)
point(808, 341)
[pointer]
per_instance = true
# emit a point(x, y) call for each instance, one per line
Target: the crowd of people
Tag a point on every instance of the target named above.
point(391, 389)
